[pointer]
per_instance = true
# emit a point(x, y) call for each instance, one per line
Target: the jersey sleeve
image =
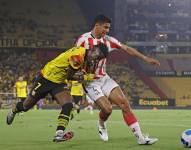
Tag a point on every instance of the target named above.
point(113, 43)
point(80, 41)
point(89, 77)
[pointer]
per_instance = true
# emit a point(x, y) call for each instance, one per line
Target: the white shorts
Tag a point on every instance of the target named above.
point(100, 87)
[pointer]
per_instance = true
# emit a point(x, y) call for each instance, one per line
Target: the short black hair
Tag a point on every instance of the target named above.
point(103, 48)
point(101, 19)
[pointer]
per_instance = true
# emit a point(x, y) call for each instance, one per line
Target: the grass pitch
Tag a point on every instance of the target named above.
point(35, 129)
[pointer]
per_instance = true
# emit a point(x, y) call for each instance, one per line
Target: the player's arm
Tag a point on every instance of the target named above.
point(136, 53)
point(75, 74)
point(89, 76)
point(74, 70)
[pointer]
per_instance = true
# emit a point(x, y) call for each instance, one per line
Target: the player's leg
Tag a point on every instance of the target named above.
point(76, 100)
point(20, 107)
point(95, 93)
point(39, 90)
point(22, 99)
point(117, 97)
point(106, 109)
point(65, 100)
point(105, 112)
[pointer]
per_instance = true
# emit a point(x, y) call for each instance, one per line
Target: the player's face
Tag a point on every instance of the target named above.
point(102, 29)
point(20, 78)
point(93, 57)
point(94, 54)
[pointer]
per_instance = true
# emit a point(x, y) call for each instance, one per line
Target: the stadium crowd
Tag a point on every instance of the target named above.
point(19, 63)
point(156, 20)
point(35, 22)
point(151, 21)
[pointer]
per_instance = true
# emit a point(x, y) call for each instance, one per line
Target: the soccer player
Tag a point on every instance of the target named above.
point(53, 79)
point(20, 89)
point(103, 89)
point(77, 93)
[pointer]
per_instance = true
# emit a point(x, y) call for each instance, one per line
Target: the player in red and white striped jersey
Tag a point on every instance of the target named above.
point(87, 40)
point(103, 90)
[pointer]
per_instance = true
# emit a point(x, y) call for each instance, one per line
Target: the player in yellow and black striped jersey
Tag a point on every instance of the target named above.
point(20, 89)
point(77, 93)
point(53, 78)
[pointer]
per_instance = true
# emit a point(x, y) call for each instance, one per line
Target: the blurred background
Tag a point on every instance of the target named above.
point(33, 32)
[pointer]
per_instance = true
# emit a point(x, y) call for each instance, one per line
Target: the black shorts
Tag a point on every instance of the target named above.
point(21, 99)
point(77, 98)
point(42, 87)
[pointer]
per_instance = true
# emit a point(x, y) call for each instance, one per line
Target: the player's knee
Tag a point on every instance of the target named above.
point(26, 108)
point(77, 99)
point(19, 107)
point(108, 110)
point(28, 103)
point(67, 108)
point(67, 105)
point(124, 105)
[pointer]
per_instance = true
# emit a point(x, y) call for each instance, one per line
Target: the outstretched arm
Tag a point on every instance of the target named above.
point(136, 53)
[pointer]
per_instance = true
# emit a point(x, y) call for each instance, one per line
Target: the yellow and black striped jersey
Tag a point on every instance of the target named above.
point(21, 89)
point(77, 88)
point(56, 70)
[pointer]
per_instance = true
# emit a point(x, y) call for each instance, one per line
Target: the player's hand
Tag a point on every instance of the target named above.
point(151, 61)
point(78, 76)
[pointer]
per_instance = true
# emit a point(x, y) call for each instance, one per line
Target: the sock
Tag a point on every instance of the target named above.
point(103, 117)
point(132, 122)
point(72, 114)
point(135, 128)
point(64, 116)
point(59, 132)
point(18, 108)
point(129, 118)
point(78, 110)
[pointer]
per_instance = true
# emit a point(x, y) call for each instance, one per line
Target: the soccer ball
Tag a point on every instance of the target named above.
point(186, 138)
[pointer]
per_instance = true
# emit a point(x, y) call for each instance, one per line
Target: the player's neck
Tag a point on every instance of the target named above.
point(95, 34)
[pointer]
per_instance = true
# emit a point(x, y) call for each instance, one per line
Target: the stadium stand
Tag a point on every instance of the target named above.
point(34, 22)
point(164, 33)
point(30, 20)
point(154, 20)
point(20, 62)
point(129, 81)
point(180, 87)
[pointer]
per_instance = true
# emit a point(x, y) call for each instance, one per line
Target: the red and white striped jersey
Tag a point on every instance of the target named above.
point(87, 40)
